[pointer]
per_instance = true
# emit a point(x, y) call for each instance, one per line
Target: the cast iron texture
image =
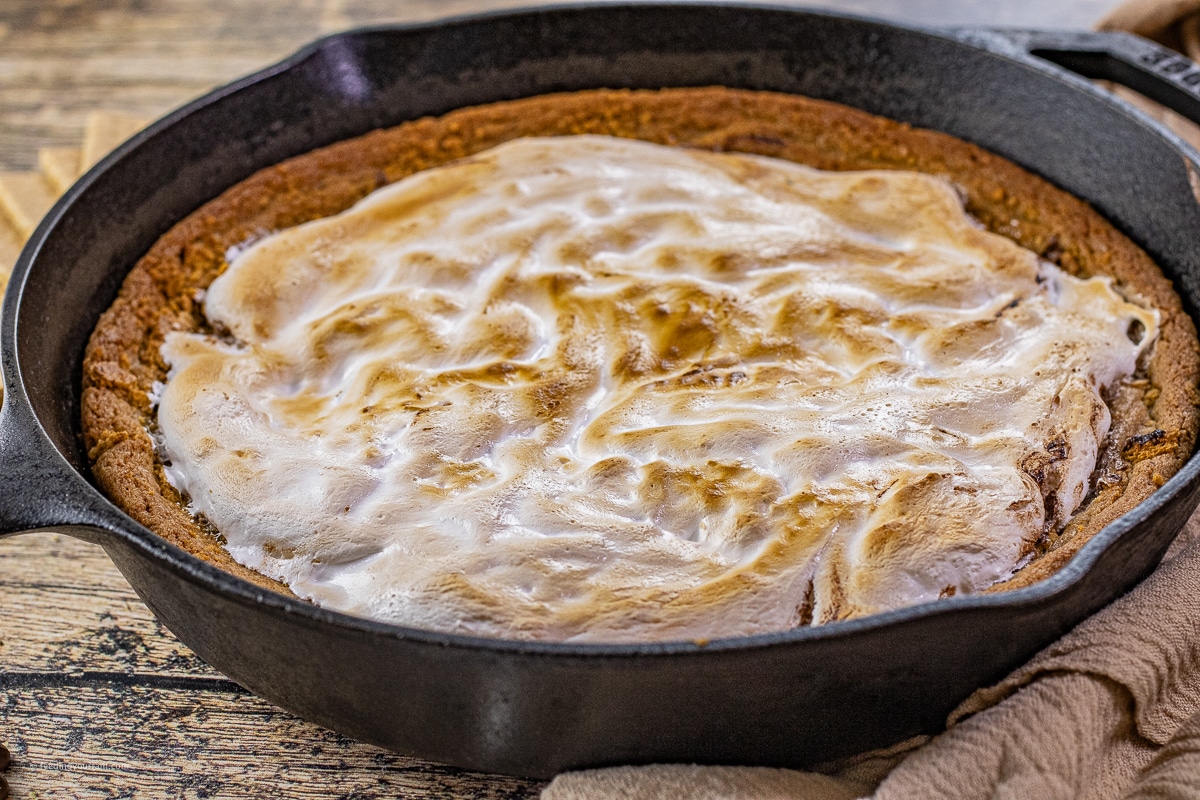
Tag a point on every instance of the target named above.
point(792, 698)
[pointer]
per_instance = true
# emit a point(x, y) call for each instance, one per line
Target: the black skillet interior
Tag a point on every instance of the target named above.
point(789, 699)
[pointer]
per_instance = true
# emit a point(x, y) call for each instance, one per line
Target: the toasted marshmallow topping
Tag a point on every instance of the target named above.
point(596, 389)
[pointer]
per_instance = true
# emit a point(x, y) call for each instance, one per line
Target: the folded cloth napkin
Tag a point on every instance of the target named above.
point(1111, 710)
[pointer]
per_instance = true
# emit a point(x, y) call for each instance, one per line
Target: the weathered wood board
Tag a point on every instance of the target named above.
point(98, 700)
point(61, 59)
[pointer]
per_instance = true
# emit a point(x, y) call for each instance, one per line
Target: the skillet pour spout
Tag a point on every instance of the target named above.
point(793, 698)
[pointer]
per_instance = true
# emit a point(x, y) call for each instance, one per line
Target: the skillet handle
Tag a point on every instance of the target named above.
point(1163, 75)
point(39, 489)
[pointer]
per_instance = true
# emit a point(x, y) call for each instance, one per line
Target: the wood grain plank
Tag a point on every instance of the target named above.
point(97, 699)
point(66, 608)
point(10, 248)
point(25, 197)
point(60, 166)
point(61, 59)
point(103, 131)
point(103, 739)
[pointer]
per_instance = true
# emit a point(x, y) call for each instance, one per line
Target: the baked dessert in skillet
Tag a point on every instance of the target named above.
point(621, 366)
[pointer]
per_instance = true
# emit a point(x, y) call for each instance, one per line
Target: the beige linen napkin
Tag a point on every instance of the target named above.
point(1111, 710)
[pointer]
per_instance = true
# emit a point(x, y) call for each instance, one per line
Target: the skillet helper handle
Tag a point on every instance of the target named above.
point(1159, 73)
point(38, 489)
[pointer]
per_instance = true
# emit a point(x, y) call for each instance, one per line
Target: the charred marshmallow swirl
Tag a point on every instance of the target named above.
point(586, 388)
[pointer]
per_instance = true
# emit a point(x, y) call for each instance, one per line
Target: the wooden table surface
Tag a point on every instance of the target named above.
point(96, 698)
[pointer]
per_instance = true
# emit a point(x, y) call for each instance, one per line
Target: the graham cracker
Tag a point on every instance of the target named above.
point(10, 248)
point(103, 131)
point(25, 197)
point(60, 166)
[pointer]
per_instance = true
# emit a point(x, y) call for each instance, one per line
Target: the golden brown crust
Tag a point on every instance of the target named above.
point(1156, 421)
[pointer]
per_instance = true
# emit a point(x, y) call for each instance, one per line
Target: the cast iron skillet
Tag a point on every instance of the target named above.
point(791, 698)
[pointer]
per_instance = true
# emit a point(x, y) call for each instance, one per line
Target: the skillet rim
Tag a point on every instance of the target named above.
point(111, 520)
